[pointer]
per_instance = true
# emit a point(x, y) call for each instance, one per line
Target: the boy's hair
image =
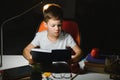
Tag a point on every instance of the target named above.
point(53, 11)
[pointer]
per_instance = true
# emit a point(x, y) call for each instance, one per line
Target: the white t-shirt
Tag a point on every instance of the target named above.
point(65, 40)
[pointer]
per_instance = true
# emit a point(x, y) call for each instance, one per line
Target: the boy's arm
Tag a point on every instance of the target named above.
point(26, 53)
point(78, 54)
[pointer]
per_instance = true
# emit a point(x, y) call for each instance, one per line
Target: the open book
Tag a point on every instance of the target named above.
point(40, 55)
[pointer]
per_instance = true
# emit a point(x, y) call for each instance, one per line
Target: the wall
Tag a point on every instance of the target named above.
point(99, 23)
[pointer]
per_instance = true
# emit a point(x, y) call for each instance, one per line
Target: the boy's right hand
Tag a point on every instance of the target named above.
point(31, 60)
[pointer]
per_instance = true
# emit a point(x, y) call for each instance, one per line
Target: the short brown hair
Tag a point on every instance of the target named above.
point(52, 11)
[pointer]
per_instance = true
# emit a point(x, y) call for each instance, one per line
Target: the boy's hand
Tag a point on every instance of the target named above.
point(30, 60)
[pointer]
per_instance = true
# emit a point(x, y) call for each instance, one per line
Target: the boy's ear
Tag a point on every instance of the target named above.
point(45, 24)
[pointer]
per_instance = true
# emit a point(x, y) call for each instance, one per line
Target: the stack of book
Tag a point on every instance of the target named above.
point(94, 64)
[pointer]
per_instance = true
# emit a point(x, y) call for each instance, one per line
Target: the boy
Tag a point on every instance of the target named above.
point(53, 37)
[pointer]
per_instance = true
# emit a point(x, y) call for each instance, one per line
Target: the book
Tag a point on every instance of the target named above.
point(94, 64)
point(100, 60)
point(41, 55)
point(94, 67)
point(41, 50)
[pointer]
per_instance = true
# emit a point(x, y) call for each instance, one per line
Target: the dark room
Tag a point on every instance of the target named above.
point(95, 23)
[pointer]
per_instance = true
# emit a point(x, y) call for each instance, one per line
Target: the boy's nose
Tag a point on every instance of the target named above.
point(56, 27)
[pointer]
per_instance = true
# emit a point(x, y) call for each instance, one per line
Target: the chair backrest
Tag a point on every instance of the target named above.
point(69, 26)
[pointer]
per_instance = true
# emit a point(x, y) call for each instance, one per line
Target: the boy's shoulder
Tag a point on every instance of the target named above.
point(42, 32)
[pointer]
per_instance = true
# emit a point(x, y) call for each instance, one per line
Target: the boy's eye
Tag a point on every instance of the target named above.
point(52, 25)
point(56, 25)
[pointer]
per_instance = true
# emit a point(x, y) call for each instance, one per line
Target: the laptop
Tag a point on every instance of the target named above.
point(42, 56)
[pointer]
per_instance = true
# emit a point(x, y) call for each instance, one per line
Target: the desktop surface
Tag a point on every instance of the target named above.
point(13, 61)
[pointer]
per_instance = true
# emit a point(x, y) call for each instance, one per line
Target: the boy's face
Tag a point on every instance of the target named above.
point(54, 27)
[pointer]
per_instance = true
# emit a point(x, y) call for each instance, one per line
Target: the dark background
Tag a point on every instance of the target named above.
point(98, 23)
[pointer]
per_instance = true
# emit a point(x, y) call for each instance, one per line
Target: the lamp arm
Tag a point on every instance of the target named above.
point(2, 26)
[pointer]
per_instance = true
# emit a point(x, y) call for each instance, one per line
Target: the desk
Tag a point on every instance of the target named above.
point(93, 76)
point(13, 61)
